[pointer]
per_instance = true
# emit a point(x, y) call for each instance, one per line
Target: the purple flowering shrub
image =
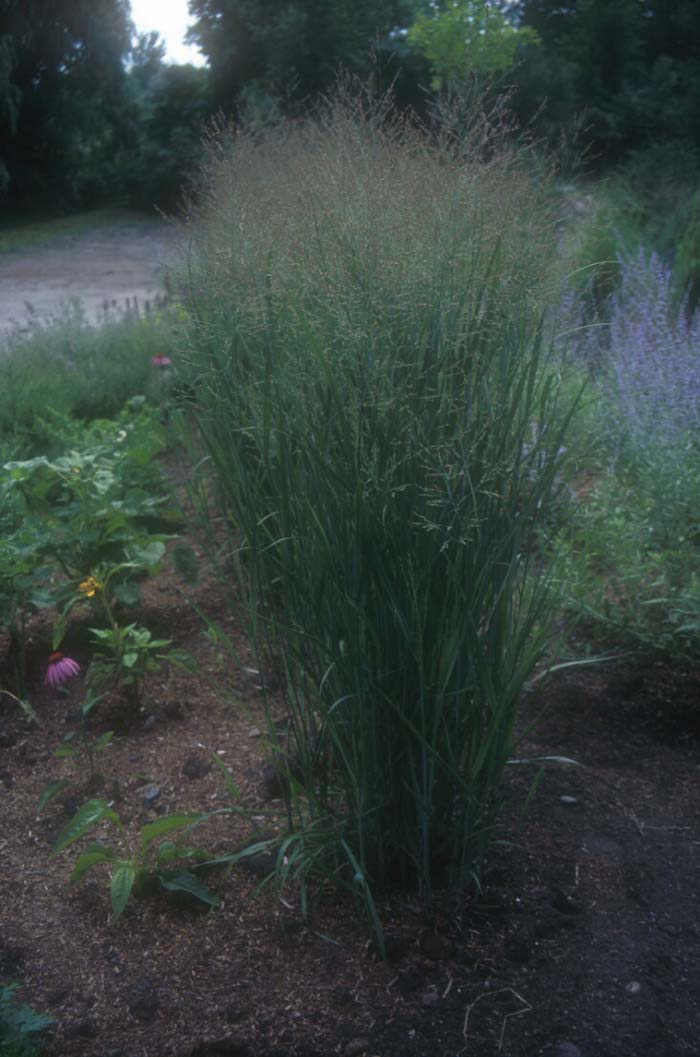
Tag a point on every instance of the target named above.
point(637, 536)
point(653, 359)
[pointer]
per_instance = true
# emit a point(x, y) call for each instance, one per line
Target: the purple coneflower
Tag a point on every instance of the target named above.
point(60, 669)
point(161, 360)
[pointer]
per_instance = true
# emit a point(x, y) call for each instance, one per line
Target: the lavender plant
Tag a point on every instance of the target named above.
point(637, 561)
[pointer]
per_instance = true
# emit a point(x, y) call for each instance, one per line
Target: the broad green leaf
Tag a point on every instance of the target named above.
point(186, 564)
point(89, 703)
point(167, 851)
point(52, 790)
point(130, 659)
point(104, 634)
point(129, 594)
point(148, 555)
point(183, 660)
point(167, 825)
point(104, 741)
point(187, 882)
point(65, 752)
point(89, 815)
point(28, 710)
point(58, 633)
point(94, 854)
point(120, 888)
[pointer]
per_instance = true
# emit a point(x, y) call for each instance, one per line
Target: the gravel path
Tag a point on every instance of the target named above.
point(112, 266)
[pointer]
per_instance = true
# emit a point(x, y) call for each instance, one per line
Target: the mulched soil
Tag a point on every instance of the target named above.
point(585, 938)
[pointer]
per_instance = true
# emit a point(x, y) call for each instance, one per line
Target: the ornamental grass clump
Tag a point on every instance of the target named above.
point(374, 394)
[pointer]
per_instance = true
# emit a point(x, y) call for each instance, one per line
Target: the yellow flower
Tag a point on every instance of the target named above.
point(90, 586)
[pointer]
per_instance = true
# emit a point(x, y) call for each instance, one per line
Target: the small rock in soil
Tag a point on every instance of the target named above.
point(234, 1015)
point(149, 794)
point(149, 722)
point(220, 1048)
point(70, 805)
point(262, 864)
point(436, 947)
point(567, 1049)
point(142, 1000)
point(633, 987)
point(274, 782)
point(11, 959)
point(356, 1047)
point(410, 981)
point(6, 778)
point(568, 800)
point(254, 732)
point(7, 738)
point(567, 904)
point(342, 996)
point(395, 946)
point(195, 766)
point(55, 997)
point(81, 1029)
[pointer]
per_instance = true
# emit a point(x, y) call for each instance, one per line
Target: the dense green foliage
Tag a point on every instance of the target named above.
point(633, 67)
point(468, 38)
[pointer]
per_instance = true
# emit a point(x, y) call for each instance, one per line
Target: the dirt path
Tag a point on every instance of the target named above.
point(108, 266)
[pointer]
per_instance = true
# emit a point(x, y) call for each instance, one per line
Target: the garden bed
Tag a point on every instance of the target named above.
point(585, 938)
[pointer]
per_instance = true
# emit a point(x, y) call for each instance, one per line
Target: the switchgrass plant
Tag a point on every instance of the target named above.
point(374, 392)
point(68, 366)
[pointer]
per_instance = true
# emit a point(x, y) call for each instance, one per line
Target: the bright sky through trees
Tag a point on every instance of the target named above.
point(171, 19)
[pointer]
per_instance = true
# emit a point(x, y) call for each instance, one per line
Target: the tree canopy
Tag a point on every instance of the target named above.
point(465, 37)
point(90, 111)
point(61, 70)
point(294, 48)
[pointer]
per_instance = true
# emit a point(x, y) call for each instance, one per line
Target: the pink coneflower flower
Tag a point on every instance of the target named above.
point(60, 669)
point(161, 360)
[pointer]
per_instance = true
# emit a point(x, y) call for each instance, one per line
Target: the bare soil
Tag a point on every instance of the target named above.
point(115, 266)
point(583, 942)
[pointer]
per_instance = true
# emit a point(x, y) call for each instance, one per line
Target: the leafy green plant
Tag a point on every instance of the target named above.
point(126, 653)
point(87, 505)
point(21, 1027)
point(23, 704)
point(147, 868)
point(102, 500)
point(81, 751)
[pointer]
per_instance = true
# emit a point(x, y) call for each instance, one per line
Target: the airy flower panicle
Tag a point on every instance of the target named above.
point(90, 587)
point(60, 669)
